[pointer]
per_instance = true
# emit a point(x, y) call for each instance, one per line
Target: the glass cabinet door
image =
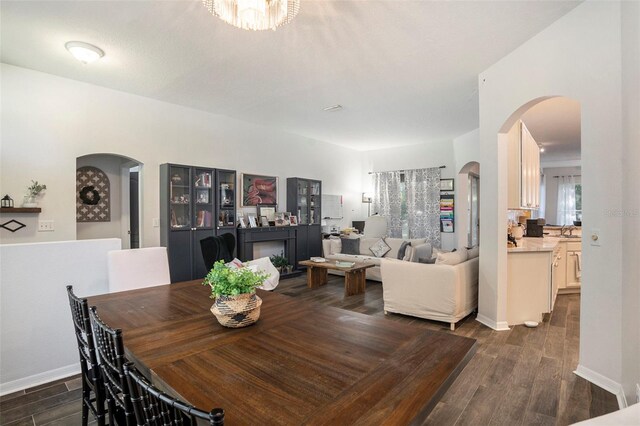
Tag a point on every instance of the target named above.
point(179, 198)
point(203, 198)
point(303, 201)
point(226, 181)
point(314, 202)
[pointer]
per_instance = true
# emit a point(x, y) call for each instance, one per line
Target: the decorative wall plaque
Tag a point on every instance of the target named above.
point(93, 201)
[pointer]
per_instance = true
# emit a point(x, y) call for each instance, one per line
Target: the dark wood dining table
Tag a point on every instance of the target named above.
point(301, 363)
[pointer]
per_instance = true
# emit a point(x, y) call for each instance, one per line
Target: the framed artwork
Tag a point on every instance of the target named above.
point(446, 184)
point(268, 211)
point(93, 200)
point(293, 220)
point(253, 223)
point(258, 189)
point(264, 221)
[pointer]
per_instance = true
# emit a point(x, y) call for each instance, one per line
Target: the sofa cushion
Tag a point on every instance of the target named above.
point(380, 248)
point(366, 244)
point(452, 258)
point(402, 251)
point(473, 252)
point(350, 245)
point(335, 246)
point(419, 251)
point(428, 260)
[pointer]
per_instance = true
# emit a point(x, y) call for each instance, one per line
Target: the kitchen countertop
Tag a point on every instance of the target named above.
point(546, 243)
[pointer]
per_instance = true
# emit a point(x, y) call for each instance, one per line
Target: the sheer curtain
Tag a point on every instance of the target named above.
point(387, 200)
point(423, 204)
point(566, 200)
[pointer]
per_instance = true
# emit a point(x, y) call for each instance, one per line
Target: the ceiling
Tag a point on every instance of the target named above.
point(555, 125)
point(404, 71)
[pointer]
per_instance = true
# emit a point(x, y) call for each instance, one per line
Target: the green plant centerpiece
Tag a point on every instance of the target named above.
point(236, 303)
point(33, 191)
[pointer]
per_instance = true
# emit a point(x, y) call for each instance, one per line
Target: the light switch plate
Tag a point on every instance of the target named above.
point(45, 226)
point(595, 238)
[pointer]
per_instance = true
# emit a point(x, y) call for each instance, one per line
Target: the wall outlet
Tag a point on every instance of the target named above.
point(156, 222)
point(45, 226)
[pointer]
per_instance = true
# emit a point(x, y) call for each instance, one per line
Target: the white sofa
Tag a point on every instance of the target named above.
point(437, 292)
point(332, 250)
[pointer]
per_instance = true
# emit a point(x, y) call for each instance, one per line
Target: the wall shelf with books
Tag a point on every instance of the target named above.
point(447, 206)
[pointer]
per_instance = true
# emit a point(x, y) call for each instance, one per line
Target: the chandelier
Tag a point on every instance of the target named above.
point(254, 15)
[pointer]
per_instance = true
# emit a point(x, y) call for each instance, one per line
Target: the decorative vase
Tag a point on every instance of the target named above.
point(29, 201)
point(237, 311)
point(289, 269)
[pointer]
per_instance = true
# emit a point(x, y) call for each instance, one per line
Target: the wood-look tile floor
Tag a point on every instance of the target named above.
point(519, 377)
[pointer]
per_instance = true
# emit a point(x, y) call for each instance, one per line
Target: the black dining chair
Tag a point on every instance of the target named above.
point(217, 248)
point(93, 391)
point(155, 408)
point(111, 357)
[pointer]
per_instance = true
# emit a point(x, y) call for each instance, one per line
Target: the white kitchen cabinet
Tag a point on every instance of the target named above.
point(523, 165)
point(573, 278)
point(530, 290)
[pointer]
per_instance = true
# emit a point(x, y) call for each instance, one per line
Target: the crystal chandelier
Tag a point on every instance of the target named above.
point(254, 15)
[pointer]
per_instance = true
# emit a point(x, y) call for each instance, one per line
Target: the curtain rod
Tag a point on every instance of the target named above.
point(568, 176)
point(406, 170)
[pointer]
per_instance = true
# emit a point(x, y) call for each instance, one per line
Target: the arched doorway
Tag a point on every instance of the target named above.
point(108, 198)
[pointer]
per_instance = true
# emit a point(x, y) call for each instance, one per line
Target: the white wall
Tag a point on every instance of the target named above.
point(48, 121)
point(466, 148)
point(578, 56)
point(631, 196)
point(551, 190)
point(110, 165)
point(38, 344)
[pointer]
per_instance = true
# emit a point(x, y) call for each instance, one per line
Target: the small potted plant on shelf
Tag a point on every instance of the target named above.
point(280, 262)
point(33, 191)
point(233, 290)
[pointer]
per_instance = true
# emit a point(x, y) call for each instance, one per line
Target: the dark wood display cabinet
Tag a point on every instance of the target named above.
point(303, 199)
point(189, 212)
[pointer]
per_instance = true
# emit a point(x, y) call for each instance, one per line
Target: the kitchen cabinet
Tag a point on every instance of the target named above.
point(573, 278)
point(523, 169)
point(530, 290)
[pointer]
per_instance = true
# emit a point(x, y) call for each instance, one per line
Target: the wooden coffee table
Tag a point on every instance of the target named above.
point(354, 276)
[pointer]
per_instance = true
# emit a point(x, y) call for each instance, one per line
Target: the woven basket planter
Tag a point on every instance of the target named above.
point(237, 311)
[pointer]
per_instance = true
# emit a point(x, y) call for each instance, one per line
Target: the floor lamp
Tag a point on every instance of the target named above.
point(367, 198)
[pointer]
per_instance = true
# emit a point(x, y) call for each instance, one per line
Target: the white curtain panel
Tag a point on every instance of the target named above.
point(566, 200)
point(423, 204)
point(387, 200)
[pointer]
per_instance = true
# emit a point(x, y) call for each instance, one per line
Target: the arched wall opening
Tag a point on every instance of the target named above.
point(109, 198)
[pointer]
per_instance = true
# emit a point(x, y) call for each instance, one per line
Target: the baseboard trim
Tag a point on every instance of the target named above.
point(498, 326)
point(39, 379)
point(604, 382)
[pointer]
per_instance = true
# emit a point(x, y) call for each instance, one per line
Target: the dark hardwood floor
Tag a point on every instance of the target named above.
point(519, 377)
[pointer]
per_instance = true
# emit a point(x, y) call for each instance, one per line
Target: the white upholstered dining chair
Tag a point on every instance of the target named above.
point(137, 268)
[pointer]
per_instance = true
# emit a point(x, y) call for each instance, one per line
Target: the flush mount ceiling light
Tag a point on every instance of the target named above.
point(254, 15)
point(84, 52)
point(541, 149)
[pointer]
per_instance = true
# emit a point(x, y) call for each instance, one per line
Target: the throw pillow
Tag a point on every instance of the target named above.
point(452, 258)
point(429, 260)
point(380, 248)
point(421, 251)
point(350, 245)
point(336, 246)
point(403, 249)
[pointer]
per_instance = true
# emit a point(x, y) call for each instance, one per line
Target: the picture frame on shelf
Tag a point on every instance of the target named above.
point(280, 219)
point(446, 184)
point(264, 221)
point(242, 222)
point(267, 210)
point(258, 189)
point(293, 220)
point(253, 223)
